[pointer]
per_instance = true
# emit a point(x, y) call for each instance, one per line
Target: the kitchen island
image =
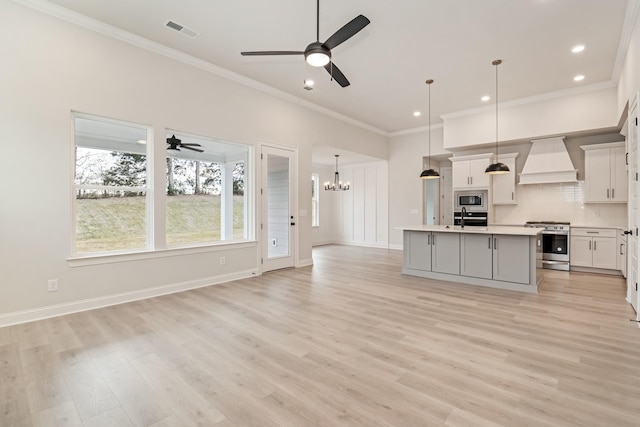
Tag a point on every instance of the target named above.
point(497, 256)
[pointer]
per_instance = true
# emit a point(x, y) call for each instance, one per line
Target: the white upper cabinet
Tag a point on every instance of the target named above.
point(504, 185)
point(605, 173)
point(468, 171)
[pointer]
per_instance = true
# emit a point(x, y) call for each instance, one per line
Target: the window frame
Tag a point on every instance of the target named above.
point(315, 200)
point(148, 188)
point(155, 202)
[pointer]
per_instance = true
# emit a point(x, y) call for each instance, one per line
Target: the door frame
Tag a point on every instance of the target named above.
point(293, 206)
point(632, 279)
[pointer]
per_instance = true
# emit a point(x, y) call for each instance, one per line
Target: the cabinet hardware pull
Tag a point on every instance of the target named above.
point(594, 245)
point(489, 242)
point(589, 244)
point(433, 240)
point(593, 232)
point(429, 240)
point(613, 193)
point(495, 243)
point(607, 193)
point(621, 249)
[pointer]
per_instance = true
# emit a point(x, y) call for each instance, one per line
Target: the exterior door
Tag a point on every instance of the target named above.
point(632, 239)
point(278, 248)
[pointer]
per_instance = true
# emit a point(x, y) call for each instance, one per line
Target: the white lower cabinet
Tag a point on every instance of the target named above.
point(476, 255)
point(417, 250)
point(497, 257)
point(445, 253)
point(622, 253)
point(594, 248)
point(428, 251)
point(508, 253)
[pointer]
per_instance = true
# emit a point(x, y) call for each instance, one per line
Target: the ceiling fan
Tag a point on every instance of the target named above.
point(319, 54)
point(175, 144)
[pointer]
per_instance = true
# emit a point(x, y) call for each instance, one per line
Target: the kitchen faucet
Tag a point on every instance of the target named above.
point(462, 215)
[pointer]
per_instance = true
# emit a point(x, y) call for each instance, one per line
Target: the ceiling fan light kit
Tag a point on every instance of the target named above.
point(497, 168)
point(318, 54)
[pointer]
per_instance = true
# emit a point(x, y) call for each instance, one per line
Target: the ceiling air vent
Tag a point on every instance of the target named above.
point(183, 30)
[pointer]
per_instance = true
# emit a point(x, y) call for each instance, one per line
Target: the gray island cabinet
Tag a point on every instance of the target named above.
point(499, 256)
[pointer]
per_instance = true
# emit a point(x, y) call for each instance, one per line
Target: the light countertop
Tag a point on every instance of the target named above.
point(493, 229)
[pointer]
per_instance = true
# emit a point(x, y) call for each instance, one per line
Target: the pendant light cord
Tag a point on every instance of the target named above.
point(429, 125)
point(496, 63)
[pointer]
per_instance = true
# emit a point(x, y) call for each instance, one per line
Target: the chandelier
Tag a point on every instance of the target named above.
point(336, 185)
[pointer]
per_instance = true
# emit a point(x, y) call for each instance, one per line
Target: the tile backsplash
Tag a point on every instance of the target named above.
point(559, 202)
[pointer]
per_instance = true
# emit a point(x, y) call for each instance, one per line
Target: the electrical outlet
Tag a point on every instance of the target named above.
point(52, 285)
point(223, 260)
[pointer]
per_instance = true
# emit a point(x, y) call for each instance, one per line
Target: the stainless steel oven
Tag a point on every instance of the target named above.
point(555, 243)
point(470, 200)
point(472, 219)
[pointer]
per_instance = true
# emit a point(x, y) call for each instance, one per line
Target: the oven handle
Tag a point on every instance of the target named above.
point(557, 233)
point(546, 261)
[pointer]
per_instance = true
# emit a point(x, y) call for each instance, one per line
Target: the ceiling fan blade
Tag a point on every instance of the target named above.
point(192, 144)
point(346, 32)
point(193, 149)
point(272, 52)
point(336, 74)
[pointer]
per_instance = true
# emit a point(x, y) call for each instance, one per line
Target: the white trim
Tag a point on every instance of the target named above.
point(25, 316)
point(364, 244)
point(415, 130)
point(305, 263)
point(533, 99)
point(630, 17)
point(141, 42)
point(82, 261)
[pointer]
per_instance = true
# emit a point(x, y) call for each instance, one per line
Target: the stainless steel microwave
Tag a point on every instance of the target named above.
point(470, 200)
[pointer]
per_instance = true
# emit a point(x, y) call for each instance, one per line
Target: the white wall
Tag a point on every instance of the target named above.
point(629, 81)
point(50, 68)
point(360, 215)
point(330, 207)
point(558, 116)
point(406, 152)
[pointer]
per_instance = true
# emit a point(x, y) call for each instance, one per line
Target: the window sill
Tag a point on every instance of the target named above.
point(83, 261)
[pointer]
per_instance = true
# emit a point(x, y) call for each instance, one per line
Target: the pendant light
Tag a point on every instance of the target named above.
point(337, 185)
point(429, 173)
point(497, 168)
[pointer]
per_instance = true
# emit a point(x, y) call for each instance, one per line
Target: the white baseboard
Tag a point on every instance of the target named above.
point(305, 262)
point(364, 244)
point(396, 247)
point(40, 313)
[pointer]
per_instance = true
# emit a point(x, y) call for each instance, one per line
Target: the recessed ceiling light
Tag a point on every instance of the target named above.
point(416, 114)
point(309, 82)
point(141, 141)
point(485, 98)
point(578, 78)
point(577, 48)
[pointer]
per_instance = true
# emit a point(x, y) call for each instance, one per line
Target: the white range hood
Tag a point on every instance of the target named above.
point(548, 162)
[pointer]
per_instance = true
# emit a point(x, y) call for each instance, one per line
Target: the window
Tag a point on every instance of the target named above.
point(315, 200)
point(116, 207)
point(111, 185)
point(206, 200)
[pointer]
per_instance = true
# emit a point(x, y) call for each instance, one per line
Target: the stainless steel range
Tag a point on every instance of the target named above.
point(554, 242)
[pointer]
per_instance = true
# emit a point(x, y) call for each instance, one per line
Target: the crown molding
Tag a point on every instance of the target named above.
point(144, 43)
point(630, 18)
point(414, 130)
point(533, 99)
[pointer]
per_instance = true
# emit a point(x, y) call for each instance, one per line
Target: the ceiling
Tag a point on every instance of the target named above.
point(387, 63)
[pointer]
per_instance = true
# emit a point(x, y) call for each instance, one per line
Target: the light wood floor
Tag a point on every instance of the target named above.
point(347, 342)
